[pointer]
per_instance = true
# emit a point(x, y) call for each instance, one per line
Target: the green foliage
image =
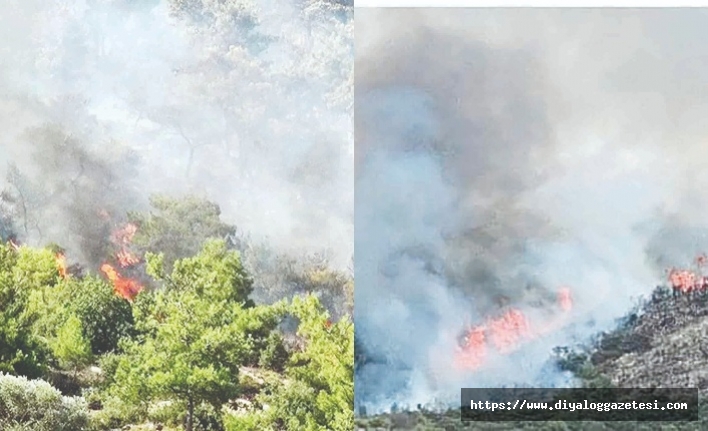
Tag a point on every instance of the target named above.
point(34, 405)
point(22, 273)
point(319, 393)
point(249, 422)
point(329, 364)
point(216, 274)
point(274, 355)
point(196, 333)
point(178, 227)
point(71, 347)
point(105, 318)
point(115, 413)
point(177, 353)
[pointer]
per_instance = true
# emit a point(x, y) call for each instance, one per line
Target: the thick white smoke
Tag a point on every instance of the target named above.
point(247, 104)
point(541, 149)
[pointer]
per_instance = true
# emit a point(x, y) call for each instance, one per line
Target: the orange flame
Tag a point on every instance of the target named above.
point(61, 264)
point(687, 281)
point(505, 334)
point(474, 353)
point(126, 258)
point(125, 287)
point(123, 237)
point(507, 331)
point(682, 280)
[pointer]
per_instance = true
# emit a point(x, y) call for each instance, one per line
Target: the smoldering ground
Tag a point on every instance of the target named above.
point(107, 102)
point(504, 153)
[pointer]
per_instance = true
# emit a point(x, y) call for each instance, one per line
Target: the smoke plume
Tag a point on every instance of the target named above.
point(503, 154)
point(105, 102)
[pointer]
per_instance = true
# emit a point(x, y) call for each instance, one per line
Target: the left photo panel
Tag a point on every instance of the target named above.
point(176, 215)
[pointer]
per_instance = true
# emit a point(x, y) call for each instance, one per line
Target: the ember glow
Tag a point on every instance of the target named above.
point(125, 287)
point(505, 334)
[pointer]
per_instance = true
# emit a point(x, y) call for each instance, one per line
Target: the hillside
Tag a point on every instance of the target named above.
point(658, 344)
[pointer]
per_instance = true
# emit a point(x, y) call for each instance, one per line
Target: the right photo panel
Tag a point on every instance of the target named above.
point(530, 212)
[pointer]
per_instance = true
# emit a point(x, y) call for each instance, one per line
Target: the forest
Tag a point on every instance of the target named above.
point(175, 215)
point(180, 345)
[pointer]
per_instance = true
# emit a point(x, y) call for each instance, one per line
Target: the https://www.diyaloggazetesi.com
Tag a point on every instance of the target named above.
point(573, 406)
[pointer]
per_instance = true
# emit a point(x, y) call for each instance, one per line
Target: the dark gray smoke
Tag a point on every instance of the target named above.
point(103, 103)
point(505, 153)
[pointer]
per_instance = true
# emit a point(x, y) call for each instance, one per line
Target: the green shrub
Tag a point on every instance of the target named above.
point(35, 405)
point(274, 356)
point(115, 414)
point(249, 422)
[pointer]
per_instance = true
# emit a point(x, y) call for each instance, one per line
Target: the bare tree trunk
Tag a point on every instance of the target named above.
point(190, 414)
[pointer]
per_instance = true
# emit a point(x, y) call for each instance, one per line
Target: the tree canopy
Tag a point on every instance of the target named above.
point(192, 349)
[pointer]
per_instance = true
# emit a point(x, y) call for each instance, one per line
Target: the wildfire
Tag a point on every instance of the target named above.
point(125, 287)
point(688, 281)
point(123, 237)
point(504, 334)
point(61, 264)
point(126, 259)
point(474, 353)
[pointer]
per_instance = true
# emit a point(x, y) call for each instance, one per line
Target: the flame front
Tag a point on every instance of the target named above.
point(125, 287)
point(688, 281)
point(505, 334)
